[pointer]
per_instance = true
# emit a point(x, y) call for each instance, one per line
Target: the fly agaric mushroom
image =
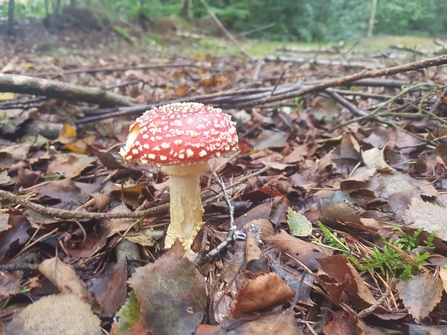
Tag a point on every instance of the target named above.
point(181, 137)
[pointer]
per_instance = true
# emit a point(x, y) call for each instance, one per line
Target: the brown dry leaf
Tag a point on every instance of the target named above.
point(404, 142)
point(263, 226)
point(9, 284)
point(95, 241)
point(131, 195)
point(428, 216)
point(275, 323)
point(64, 277)
point(358, 180)
point(172, 295)
point(349, 148)
point(420, 294)
point(69, 165)
point(343, 324)
point(110, 288)
point(396, 182)
point(374, 159)
point(28, 178)
point(252, 250)
point(264, 291)
point(340, 270)
point(270, 139)
point(15, 232)
point(65, 190)
point(307, 253)
point(101, 200)
point(13, 154)
point(56, 314)
point(297, 155)
point(344, 213)
point(118, 225)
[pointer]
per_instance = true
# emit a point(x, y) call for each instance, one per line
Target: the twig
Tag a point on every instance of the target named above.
point(438, 101)
point(385, 295)
point(345, 103)
point(277, 83)
point(256, 30)
point(213, 253)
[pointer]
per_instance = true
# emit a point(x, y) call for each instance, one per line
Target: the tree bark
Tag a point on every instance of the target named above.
point(372, 18)
point(11, 18)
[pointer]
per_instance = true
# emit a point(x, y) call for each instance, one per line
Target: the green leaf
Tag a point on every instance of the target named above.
point(298, 224)
point(129, 314)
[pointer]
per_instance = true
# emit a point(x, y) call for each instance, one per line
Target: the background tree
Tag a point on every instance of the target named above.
point(11, 18)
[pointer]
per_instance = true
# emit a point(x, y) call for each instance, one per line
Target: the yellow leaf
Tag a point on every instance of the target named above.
point(67, 135)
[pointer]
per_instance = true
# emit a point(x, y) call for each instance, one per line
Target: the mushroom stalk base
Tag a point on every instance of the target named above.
point(186, 208)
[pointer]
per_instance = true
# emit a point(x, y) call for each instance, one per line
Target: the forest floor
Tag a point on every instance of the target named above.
point(329, 219)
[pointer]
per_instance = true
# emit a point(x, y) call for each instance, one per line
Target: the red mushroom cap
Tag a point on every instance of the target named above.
point(180, 133)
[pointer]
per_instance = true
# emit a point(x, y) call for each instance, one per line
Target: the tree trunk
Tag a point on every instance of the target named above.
point(184, 12)
point(11, 18)
point(372, 18)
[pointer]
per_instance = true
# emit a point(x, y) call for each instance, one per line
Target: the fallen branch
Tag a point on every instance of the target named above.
point(74, 214)
point(60, 90)
point(413, 66)
point(227, 99)
point(127, 68)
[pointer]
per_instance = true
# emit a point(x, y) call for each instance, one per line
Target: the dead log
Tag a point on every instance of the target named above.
point(60, 90)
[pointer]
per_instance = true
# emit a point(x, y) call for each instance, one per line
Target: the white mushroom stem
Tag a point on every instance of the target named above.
point(186, 204)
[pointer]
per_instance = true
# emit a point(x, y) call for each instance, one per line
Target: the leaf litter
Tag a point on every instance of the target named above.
point(327, 202)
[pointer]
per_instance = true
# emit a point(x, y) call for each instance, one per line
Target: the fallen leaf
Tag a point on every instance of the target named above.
point(299, 225)
point(110, 288)
point(305, 252)
point(338, 269)
point(428, 216)
point(172, 295)
point(64, 277)
point(69, 165)
point(374, 159)
point(280, 323)
point(420, 294)
point(264, 291)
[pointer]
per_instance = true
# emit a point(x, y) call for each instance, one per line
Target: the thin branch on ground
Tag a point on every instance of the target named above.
point(345, 103)
point(74, 214)
point(414, 66)
point(213, 253)
point(385, 295)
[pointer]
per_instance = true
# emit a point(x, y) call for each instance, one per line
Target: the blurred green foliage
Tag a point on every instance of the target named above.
point(297, 20)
